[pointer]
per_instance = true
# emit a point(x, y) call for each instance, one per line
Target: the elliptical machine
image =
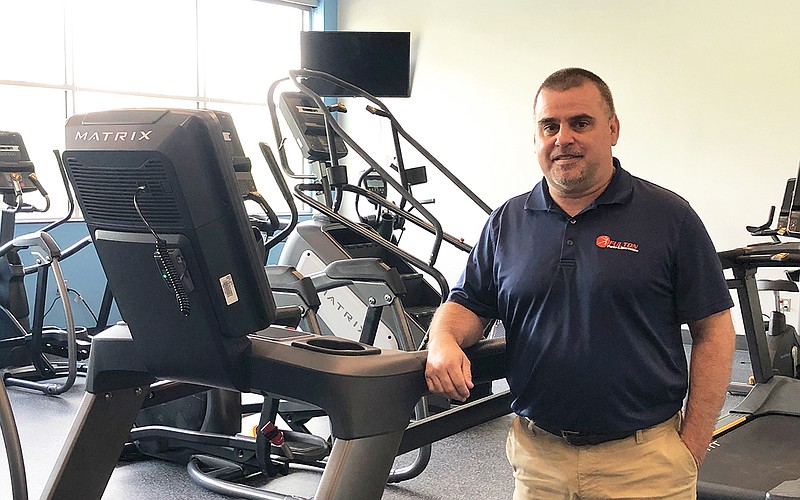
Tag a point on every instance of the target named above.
point(24, 345)
point(202, 428)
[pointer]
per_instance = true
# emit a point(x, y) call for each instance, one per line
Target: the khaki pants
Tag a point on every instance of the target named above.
point(652, 464)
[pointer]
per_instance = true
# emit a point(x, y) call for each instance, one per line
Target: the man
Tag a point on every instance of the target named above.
point(593, 273)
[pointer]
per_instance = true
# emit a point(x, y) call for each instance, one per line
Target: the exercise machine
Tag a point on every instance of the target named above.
point(51, 254)
point(208, 422)
point(754, 453)
point(330, 235)
point(782, 340)
point(27, 348)
point(188, 279)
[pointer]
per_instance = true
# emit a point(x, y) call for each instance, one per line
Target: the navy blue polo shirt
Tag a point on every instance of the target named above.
point(593, 304)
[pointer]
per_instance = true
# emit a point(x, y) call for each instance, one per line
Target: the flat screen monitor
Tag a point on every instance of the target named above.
point(378, 62)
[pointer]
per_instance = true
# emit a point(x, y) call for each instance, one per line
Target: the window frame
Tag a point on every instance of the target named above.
point(73, 92)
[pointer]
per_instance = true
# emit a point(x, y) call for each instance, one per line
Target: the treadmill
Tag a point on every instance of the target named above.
point(755, 452)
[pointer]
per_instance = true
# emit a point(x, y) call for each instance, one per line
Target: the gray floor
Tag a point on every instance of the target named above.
point(469, 465)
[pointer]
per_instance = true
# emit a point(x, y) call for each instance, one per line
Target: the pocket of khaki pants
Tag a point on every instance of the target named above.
point(688, 454)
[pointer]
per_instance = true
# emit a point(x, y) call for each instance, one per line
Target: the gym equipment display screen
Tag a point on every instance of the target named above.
point(378, 62)
point(793, 223)
point(786, 205)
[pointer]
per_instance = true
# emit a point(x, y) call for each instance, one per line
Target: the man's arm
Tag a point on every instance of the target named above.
point(448, 370)
point(713, 340)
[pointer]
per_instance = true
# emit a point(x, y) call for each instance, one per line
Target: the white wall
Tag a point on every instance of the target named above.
point(706, 91)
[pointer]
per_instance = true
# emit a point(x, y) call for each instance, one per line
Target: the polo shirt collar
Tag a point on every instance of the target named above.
point(618, 192)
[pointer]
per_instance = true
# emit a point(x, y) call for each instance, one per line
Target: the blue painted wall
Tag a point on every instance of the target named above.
point(82, 272)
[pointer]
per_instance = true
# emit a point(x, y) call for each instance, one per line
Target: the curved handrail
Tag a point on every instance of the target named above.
point(51, 254)
point(333, 125)
point(396, 125)
point(70, 200)
point(287, 196)
point(456, 242)
point(371, 235)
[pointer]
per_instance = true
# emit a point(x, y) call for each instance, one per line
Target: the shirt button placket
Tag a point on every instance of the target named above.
point(568, 251)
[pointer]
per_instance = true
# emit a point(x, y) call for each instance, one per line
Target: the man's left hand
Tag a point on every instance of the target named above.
point(697, 447)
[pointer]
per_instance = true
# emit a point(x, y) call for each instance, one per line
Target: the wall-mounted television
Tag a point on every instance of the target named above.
point(378, 62)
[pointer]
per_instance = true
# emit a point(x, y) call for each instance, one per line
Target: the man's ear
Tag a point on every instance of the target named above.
point(614, 124)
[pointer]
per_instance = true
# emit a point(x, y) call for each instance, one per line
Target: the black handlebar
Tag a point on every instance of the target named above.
point(38, 239)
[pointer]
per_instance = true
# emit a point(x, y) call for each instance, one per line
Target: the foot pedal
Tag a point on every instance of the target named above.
point(307, 447)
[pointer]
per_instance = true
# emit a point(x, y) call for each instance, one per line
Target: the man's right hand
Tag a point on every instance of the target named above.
point(448, 371)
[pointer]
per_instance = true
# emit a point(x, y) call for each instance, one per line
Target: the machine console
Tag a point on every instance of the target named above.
point(793, 217)
point(307, 123)
point(15, 165)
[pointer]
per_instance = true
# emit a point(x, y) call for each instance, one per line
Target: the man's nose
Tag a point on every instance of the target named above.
point(564, 136)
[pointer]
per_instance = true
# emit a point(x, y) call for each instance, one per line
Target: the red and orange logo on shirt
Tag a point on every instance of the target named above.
point(605, 241)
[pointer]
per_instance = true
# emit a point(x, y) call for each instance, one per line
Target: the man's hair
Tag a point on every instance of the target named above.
point(569, 78)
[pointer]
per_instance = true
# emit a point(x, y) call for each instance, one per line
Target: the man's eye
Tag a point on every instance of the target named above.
point(582, 125)
point(550, 129)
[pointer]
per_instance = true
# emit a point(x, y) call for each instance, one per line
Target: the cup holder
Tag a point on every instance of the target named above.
point(336, 345)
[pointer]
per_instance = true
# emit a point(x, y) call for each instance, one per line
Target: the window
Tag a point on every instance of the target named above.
point(91, 55)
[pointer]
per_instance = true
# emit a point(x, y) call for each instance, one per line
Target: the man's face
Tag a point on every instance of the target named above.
point(574, 135)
